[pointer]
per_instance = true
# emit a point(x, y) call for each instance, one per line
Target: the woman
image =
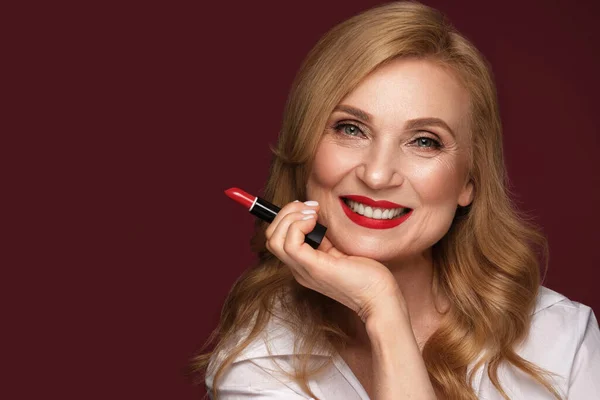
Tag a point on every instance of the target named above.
point(427, 284)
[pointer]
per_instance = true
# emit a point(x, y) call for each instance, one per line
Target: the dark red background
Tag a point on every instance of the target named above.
point(137, 117)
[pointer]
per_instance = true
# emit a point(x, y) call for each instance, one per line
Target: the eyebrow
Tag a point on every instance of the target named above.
point(412, 124)
point(360, 114)
point(419, 123)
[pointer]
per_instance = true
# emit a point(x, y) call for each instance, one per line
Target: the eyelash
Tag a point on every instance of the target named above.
point(340, 126)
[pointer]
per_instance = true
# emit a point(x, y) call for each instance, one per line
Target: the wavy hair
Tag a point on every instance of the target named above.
point(487, 264)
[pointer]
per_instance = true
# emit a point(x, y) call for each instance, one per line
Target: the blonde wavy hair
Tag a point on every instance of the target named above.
point(487, 264)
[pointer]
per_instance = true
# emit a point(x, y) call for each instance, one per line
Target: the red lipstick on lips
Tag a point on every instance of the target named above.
point(371, 222)
point(267, 212)
point(373, 203)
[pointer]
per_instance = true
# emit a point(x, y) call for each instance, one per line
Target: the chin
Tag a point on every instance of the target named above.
point(373, 250)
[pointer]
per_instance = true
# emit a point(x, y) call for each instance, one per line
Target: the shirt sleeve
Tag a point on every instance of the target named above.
point(248, 380)
point(584, 382)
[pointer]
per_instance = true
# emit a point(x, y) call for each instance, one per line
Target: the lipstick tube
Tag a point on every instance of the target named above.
point(266, 211)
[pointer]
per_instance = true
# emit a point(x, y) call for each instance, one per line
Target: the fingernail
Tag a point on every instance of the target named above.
point(311, 203)
point(308, 212)
point(296, 201)
point(308, 217)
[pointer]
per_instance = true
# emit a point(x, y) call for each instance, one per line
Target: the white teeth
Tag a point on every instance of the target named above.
point(375, 213)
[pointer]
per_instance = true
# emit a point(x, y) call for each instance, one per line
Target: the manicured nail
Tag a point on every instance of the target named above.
point(308, 217)
point(311, 203)
point(308, 212)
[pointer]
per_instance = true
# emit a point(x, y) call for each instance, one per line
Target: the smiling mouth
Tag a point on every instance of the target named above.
point(376, 213)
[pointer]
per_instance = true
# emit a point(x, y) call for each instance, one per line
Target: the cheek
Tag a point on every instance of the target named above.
point(330, 165)
point(437, 181)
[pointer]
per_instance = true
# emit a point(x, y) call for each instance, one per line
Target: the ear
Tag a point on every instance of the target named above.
point(466, 195)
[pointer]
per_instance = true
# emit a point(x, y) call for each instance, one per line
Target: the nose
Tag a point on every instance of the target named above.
point(380, 168)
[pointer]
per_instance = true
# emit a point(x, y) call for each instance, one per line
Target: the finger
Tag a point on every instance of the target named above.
point(294, 206)
point(328, 247)
point(277, 240)
point(280, 232)
point(302, 254)
point(302, 273)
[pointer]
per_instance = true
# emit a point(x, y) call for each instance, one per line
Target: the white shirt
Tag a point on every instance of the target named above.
point(564, 339)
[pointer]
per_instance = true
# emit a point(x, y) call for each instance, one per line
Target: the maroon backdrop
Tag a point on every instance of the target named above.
point(165, 106)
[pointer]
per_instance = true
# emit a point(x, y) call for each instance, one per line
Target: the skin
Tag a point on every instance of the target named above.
point(384, 275)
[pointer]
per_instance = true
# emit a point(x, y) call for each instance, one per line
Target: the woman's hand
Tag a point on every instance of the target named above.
point(360, 283)
point(365, 286)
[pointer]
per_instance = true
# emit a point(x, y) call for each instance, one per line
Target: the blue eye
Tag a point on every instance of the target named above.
point(348, 129)
point(427, 142)
point(351, 130)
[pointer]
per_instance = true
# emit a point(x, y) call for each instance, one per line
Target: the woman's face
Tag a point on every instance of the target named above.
point(401, 136)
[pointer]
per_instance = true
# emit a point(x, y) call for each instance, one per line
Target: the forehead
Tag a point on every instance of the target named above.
point(405, 89)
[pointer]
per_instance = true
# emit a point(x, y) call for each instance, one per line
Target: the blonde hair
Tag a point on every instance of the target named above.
point(486, 264)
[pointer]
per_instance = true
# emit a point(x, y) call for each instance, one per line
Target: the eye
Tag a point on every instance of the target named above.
point(427, 142)
point(348, 129)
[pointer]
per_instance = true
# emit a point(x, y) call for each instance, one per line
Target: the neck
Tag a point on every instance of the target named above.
point(415, 280)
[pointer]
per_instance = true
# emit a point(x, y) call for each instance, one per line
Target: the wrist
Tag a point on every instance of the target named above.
point(388, 314)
